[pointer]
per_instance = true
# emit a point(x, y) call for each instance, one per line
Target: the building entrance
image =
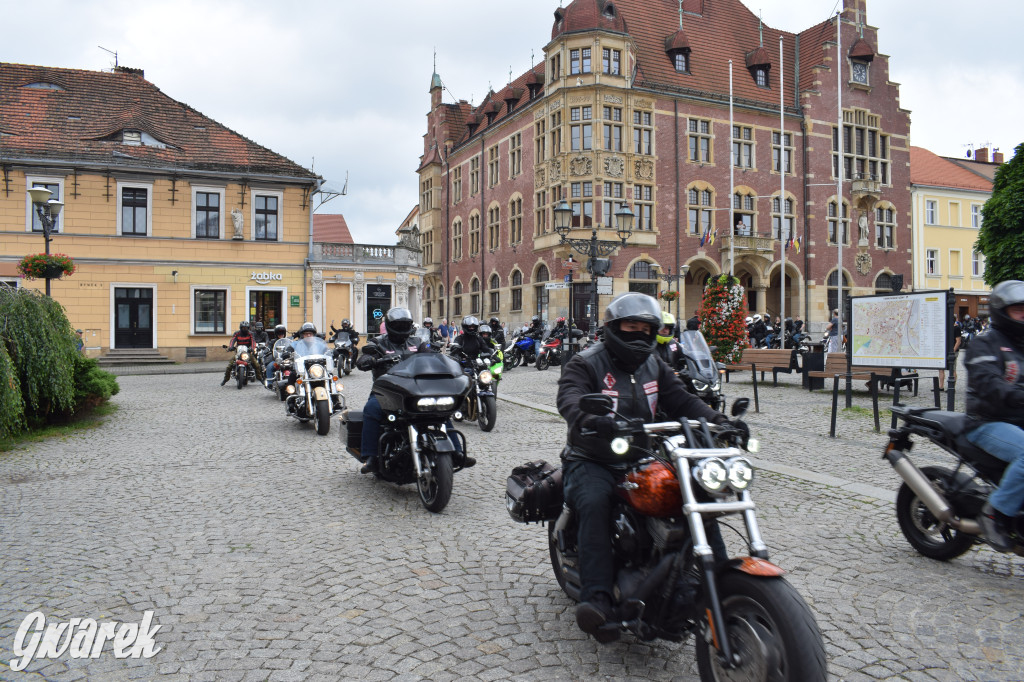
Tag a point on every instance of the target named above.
point(265, 307)
point(378, 301)
point(133, 317)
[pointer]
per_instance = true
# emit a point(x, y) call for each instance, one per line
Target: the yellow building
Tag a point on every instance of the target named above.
point(180, 227)
point(947, 198)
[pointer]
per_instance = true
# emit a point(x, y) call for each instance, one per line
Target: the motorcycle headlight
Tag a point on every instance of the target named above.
point(317, 372)
point(699, 385)
point(244, 357)
point(711, 474)
point(426, 403)
point(740, 473)
point(289, 390)
point(485, 377)
point(620, 446)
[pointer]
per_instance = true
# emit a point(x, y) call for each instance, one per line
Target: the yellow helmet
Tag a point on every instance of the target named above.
point(668, 321)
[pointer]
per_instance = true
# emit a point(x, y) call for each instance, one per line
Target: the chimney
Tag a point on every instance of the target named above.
point(981, 154)
point(997, 157)
point(127, 69)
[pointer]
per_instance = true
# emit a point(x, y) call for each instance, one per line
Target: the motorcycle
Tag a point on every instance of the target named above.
point(936, 506)
point(418, 396)
point(283, 369)
point(673, 576)
point(480, 404)
point(523, 350)
point(313, 391)
point(702, 374)
point(244, 371)
point(551, 350)
point(343, 350)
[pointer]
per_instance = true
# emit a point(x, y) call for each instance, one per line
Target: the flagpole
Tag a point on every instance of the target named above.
point(732, 188)
point(840, 225)
point(782, 196)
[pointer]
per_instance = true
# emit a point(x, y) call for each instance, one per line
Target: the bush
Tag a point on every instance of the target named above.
point(92, 384)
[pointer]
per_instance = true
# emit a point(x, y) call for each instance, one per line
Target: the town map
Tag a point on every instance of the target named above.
point(903, 330)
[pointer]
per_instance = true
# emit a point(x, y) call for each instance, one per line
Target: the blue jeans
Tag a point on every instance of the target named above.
point(1006, 442)
point(373, 415)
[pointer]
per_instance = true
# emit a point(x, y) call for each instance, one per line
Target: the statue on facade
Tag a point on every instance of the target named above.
point(236, 220)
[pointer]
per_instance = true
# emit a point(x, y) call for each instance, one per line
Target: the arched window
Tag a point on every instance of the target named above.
point(515, 221)
point(834, 222)
point(743, 210)
point(542, 274)
point(644, 272)
point(474, 296)
point(883, 283)
point(700, 210)
point(457, 239)
point(780, 217)
point(457, 300)
point(474, 233)
point(540, 292)
point(517, 290)
point(495, 295)
point(833, 290)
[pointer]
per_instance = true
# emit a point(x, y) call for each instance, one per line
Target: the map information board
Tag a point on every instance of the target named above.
point(900, 330)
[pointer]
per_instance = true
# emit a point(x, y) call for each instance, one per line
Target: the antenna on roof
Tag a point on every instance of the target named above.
point(111, 52)
point(680, 15)
point(435, 59)
point(344, 189)
point(510, 74)
point(760, 27)
point(531, 59)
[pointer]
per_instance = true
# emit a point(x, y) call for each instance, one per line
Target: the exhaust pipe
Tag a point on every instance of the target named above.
point(927, 493)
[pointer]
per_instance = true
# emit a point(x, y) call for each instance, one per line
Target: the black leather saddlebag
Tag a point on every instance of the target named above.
point(534, 492)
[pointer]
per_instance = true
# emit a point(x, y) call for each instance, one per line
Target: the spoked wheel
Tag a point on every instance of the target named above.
point(240, 376)
point(488, 412)
point(515, 358)
point(347, 369)
point(923, 531)
point(543, 362)
point(565, 564)
point(435, 482)
point(322, 417)
point(771, 630)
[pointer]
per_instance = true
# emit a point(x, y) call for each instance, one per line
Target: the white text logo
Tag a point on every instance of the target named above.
point(264, 277)
point(82, 638)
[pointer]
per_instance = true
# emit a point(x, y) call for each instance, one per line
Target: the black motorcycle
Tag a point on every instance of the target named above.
point(700, 373)
point(673, 576)
point(418, 396)
point(481, 403)
point(344, 350)
point(936, 506)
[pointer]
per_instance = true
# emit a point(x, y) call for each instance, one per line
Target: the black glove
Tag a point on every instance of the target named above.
point(603, 426)
point(382, 362)
point(743, 429)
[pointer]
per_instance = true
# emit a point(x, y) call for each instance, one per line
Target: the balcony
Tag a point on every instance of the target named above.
point(747, 245)
point(638, 238)
point(865, 185)
point(365, 254)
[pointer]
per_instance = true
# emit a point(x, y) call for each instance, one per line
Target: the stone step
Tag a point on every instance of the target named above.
point(133, 356)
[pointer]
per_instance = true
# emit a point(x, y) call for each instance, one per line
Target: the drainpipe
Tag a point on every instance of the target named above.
point(675, 123)
point(317, 184)
point(480, 239)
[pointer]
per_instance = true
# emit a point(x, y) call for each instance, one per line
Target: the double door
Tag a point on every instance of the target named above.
point(133, 317)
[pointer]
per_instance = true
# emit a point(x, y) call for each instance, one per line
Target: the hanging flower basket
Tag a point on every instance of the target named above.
point(43, 266)
point(668, 295)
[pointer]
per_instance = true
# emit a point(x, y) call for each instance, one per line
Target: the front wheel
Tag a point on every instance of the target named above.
point(771, 630)
point(435, 482)
point(923, 531)
point(543, 362)
point(347, 369)
point(240, 376)
point(488, 413)
point(322, 417)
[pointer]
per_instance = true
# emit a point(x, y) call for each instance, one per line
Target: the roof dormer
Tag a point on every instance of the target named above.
point(759, 63)
point(677, 47)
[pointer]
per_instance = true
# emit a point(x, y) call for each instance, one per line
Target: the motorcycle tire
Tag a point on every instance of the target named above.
point(322, 417)
point(565, 564)
point(543, 362)
point(487, 413)
point(347, 371)
point(435, 483)
point(923, 531)
point(240, 376)
point(513, 359)
point(280, 391)
point(771, 629)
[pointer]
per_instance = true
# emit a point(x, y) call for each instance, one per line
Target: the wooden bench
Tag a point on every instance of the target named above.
point(763, 360)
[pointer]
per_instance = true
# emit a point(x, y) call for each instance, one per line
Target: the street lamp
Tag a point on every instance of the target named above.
point(669, 278)
point(593, 247)
point(47, 209)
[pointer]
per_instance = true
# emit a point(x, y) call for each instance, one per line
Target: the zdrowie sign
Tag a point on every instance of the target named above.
point(264, 277)
point(82, 638)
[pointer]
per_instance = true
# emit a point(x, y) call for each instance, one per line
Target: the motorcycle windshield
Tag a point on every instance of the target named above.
point(342, 339)
point(419, 337)
point(312, 345)
point(696, 348)
point(422, 365)
point(280, 347)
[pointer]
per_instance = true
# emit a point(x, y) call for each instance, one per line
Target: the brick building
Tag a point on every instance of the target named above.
point(631, 105)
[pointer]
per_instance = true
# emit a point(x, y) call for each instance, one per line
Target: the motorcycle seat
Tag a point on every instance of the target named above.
point(954, 427)
point(353, 416)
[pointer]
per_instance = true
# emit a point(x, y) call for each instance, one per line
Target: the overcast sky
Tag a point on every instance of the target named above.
point(342, 85)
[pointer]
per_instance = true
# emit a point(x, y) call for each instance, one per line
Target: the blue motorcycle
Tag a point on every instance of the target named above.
point(524, 351)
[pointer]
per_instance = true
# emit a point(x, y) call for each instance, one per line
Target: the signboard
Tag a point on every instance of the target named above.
point(556, 285)
point(568, 278)
point(378, 291)
point(901, 330)
point(604, 285)
point(294, 301)
point(571, 264)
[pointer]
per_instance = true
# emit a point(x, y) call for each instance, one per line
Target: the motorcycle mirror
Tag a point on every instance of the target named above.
point(597, 403)
point(740, 407)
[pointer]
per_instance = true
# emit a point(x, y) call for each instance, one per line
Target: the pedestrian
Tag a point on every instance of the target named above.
point(693, 324)
point(834, 344)
point(79, 341)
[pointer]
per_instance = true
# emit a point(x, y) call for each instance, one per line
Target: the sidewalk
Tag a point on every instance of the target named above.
point(208, 367)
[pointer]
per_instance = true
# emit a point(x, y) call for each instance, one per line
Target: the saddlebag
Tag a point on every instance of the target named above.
point(533, 492)
point(352, 430)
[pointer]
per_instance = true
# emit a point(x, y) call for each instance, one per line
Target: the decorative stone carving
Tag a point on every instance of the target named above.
point(540, 113)
point(555, 170)
point(539, 177)
point(644, 169)
point(579, 99)
point(581, 165)
point(318, 284)
point(613, 99)
point(642, 104)
point(862, 223)
point(236, 221)
point(614, 166)
point(359, 287)
point(863, 262)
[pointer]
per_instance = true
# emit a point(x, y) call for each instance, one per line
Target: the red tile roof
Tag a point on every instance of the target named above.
point(930, 169)
point(83, 118)
point(331, 228)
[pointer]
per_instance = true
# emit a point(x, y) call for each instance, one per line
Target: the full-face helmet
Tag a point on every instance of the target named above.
point(470, 325)
point(398, 324)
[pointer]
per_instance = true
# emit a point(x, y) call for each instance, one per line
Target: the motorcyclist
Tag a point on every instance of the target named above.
point(995, 398)
point(243, 337)
point(436, 339)
point(758, 330)
point(497, 332)
point(353, 336)
point(668, 348)
point(469, 343)
point(280, 332)
point(259, 334)
point(560, 330)
point(693, 324)
point(623, 366)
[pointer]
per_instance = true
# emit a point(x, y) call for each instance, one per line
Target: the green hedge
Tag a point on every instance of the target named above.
point(43, 376)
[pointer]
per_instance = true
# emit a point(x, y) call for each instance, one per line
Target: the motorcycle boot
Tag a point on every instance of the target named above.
point(593, 618)
point(996, 527)
point(370, 467)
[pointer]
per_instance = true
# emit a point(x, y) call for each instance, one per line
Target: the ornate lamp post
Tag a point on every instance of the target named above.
point(593, 247)
point(677, 278)
point(47, 209)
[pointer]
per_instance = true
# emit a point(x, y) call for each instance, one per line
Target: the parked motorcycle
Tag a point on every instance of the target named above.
point(418, 396)
point(673, 576)
point(701, 373)
point(523, 350)
point(314, 390)
point(244, 371)
point(936, 506)
point(480, 404)
point(344, 351)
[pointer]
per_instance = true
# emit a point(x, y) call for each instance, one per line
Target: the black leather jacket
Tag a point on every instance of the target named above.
point(470, 344)
point(636, 395)
point(535, 332)
point(995, 380)
point(353, 335)
point(671, 353)
point(382, 347)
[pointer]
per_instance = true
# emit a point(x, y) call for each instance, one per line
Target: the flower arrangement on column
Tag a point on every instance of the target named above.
point(722, 319)
point(46, 265)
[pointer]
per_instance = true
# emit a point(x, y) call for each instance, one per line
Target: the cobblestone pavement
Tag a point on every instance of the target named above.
point(265, 555)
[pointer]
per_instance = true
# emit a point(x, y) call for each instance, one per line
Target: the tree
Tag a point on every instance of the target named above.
point(1001, 237)
point(721, 318)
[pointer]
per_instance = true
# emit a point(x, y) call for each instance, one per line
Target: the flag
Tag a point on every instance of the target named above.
point(703, 238)
point(796, 244)
point(711, 237)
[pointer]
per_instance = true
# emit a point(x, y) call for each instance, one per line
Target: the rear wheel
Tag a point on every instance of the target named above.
point(543, 361)
point(488, 412)
point(771, 629)
point(322, 417)
point(565, 564)
point(240, 376)
point(923, 531)
point(435, 482)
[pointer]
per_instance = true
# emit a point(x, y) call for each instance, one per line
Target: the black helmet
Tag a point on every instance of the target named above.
point(243, 325)
point(470, 325)
point(485, 329)
point(307, 327)
point(631, 348)
point(398, 324)
point(535, 319)
point(281, 330)
point(1004, 295)
point(346, 323)
point(494, 323)
point(258, 326)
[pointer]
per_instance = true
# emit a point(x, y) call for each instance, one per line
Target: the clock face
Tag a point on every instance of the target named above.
point(860, 72)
